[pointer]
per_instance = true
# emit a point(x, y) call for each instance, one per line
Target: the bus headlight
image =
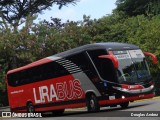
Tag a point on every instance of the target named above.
point(120, 89)
point(123, 97)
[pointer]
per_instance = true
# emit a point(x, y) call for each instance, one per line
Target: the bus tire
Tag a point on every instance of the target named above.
point(92, 103)
point(124, 105)
point(30, 108)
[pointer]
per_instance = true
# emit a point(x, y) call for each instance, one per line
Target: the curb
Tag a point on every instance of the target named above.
point(154, 98)
point(4, 107)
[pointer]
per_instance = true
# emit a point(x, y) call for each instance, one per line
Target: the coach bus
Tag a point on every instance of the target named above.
point(93, 75)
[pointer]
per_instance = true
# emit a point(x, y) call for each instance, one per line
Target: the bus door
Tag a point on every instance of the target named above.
point(105, 69)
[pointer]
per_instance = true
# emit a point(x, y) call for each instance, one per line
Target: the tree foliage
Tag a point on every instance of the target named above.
point(35, 41)
point(15, 12)
point(47, 38)
point(139, 7)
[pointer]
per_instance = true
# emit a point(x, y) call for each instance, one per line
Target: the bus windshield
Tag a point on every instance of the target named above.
point(133, 67)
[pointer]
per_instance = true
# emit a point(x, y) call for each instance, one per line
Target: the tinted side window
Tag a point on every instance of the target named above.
point(83, 62)
point(38, 73)
point(80, 60)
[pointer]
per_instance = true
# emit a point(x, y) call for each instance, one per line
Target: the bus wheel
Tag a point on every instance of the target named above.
point(92, 103)
point(124, 105)
point(30, 108)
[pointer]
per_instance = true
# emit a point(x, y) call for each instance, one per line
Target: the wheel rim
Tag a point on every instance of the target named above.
point(92, 104)
point(30, 109)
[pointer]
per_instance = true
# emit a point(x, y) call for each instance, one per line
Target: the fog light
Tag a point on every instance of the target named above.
point(123, 97)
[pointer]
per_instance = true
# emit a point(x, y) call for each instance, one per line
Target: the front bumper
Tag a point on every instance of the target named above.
point(126, 99)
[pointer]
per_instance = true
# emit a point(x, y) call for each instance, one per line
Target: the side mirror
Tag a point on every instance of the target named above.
point(112, 58)
point(154, 58)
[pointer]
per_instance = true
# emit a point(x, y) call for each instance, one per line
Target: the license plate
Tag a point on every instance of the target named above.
point(112, 97)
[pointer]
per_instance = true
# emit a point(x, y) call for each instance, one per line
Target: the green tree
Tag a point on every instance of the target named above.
point(14, 12)
point(139, 7)
point(145, 33)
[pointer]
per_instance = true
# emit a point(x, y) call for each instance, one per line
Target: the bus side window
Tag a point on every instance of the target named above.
point(82, 61)
point(38, 73)
point(13, 79)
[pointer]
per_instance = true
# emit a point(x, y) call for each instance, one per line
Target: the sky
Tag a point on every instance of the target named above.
point(93, 8)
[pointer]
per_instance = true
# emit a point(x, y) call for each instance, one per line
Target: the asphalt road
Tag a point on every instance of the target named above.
point(145, 109)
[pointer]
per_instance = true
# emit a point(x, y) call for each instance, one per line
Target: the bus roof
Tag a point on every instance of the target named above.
point(108, 46)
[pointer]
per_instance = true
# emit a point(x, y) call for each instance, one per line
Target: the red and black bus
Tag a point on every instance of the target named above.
point(93, 75)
